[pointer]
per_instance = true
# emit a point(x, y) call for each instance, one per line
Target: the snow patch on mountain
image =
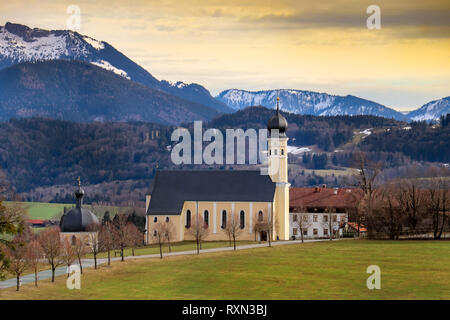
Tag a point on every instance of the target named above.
point(431, 110)
point(108, 66)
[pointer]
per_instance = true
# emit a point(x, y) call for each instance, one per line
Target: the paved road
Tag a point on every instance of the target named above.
point(89, 263)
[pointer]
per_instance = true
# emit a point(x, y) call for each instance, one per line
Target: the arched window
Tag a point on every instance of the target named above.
point(155, 219)
point(276, 152)
point(167, 219)
point(74, 240)
point(188, 219)
point(282, 151)
point(260, 216)
point(242, 220)
point(206, 218)
point(224, 219)
point(155, 233)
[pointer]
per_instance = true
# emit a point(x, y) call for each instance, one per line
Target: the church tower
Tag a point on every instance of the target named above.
point(278, 170)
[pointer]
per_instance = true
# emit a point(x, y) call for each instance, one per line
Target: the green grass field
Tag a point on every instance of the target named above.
point(325, 270)
point(42, 210)
point(175, 247)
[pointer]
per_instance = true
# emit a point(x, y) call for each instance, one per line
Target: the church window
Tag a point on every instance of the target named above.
point(282, 151)
point(155, 219)
point(155, 233)
point(167, 219)
point(260, 216)
point(188, 219)
point(206, 218)
point(74, 240)
point(275, 151)
point(242, 220)
point(224, 219)
point(270, 152)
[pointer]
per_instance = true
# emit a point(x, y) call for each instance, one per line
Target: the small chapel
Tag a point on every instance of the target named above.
point(217, 196)
point(78, 223)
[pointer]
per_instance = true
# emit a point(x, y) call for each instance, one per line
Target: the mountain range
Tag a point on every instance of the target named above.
point(307, 102)
point(26, 54)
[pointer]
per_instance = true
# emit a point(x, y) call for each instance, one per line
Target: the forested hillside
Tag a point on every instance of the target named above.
point(43, 157)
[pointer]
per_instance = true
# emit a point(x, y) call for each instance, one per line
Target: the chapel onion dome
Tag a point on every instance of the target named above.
point(278, 122)
point(78, 219)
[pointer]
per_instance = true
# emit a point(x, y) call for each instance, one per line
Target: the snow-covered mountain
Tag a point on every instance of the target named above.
point(307, 102)
point(19, 43)
point(431, 110)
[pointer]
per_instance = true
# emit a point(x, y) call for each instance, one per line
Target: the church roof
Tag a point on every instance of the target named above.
point(77, 220)
point(171, 188)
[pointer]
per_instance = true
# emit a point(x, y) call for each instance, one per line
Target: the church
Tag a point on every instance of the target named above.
point(217, 196)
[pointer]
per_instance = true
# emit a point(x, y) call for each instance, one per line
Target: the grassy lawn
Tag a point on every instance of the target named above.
point(325, 270)
point(177, 246)
point(42, 210)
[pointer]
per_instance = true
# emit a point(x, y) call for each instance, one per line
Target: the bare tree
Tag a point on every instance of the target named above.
point(411, 200)
point(68, 254)
point(438, 205)
point(368, 172)
point(34, 255)
point(233, 229)
point(199, 230)
point(120, 233)
point(134, 236)
point(50, 242)
point(80, 248)
point(17, 256)
point(170, 234)
point(303, 221)
point(159, 231)
point(94, 245)
point(106, 239)
point(330, 221)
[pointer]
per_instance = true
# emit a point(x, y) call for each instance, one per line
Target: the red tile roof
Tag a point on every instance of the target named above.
point(321, 197)
point(362, 228)
point(36, 221)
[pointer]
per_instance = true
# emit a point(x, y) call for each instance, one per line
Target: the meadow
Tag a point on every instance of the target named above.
point(322, 270)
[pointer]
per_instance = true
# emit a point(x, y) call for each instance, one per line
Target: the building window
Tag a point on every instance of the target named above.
point(155, 233)
point(294, 217)
point(188, 219)
point(325, 218)
point(260, 216)
point(334, 218)
point(314, 218)
point(282, 152)
point(155, 219)
point(270, 152)
point(206, 218)
point(315, 232)
point(242, 220)
point(305, 232)
point(305, 218)
point(74, 240)
point(276, 152)
point(224, 219)
point(325, 232)
point(167, 219)
point(294, 231)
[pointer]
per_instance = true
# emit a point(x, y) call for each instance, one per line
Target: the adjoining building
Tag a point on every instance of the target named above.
point(217, 196)
point(79, 222)
point(320, 212)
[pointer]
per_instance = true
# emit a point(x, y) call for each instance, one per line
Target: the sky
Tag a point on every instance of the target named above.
point(321, 45)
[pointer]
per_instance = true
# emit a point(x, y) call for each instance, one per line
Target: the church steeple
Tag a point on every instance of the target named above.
point(278, 122)
point(79, 194)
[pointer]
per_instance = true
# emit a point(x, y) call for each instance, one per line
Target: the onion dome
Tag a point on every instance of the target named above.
point(278, 122)
point(78, 219)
